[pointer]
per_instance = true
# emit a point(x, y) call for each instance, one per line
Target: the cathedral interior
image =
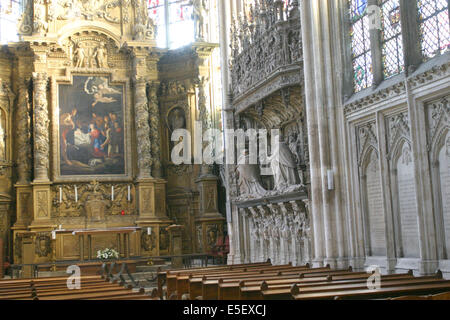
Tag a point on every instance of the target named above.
point(330, 123)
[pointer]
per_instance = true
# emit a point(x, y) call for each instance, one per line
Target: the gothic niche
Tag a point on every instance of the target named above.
point(176, 119)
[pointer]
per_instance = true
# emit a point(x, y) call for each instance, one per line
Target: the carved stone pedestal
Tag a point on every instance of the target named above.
point(152, 217)
point(42, 204)
point(209, 225)
point(176, 244)
point(152, 201)
point(24, 207)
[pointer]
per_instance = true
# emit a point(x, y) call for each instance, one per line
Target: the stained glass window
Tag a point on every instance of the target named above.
point(10, 11)
point(392, 44)
point(434, 27)
point(174, 21)
point(157, 12)
point(360, 37)
point(181, 26)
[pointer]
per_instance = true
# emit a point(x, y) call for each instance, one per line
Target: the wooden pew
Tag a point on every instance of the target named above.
point(394, 288)
point(162, 275)
point(177, 282)
point(277, 293)
point(253, 289)
point(93, 295)
point(207, 286)
point(382, 293)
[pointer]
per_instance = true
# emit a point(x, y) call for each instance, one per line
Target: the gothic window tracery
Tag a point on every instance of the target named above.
point(434, 27)
point(392, 42)
point(360, 39)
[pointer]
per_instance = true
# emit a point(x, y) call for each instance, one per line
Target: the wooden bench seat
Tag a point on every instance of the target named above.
point(253, 289)
point(384, 292)
point(91, 295)
point(276, 293)
point(196, 285)
point(177, 285)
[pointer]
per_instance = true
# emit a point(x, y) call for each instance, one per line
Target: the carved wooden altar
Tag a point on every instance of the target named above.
point(75, 60)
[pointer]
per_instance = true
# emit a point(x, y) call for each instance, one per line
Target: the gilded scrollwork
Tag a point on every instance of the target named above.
point(70, 203)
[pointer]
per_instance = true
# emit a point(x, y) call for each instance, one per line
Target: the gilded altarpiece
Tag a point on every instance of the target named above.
point(94, 107)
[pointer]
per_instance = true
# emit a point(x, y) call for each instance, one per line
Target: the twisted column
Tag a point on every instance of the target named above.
point(142, 129)
point(41, 123)
point(155, 130)
point(23, 130)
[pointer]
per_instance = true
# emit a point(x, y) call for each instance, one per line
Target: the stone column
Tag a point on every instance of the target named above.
point(142, 129)
point(23, 136)
point(41, 183)
point(41, 124)
point(23, 186)
point(155, 132)
point(321, 36)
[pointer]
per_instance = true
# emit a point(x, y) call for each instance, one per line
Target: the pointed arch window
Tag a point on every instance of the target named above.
point(434, 27)
point(360, 40)
point(392, 41)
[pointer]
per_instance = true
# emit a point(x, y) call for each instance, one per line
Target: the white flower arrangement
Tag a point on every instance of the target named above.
point(107, 253)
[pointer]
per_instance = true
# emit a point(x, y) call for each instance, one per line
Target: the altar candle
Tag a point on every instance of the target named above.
point(112, 193)
point(53, 234)
point(149, 230)
point(60, 194)
point(76, 194)
point(129, 193)
point(60, 227)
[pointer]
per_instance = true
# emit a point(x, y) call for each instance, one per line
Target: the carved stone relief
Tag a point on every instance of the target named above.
point(43, 244)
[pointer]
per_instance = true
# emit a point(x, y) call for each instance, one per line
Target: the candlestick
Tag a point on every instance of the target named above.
point(60, 194)
point(112, 193)
point(60, 226)
point(149, 230)
point(76, 194)
point(53, 234)
point(129, 194)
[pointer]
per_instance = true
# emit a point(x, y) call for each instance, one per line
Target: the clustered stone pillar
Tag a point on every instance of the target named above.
point(154, 129)
point(41, 123)
point(142, 129)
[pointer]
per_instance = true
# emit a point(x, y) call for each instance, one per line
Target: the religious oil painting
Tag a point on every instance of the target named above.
point(91, 127)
